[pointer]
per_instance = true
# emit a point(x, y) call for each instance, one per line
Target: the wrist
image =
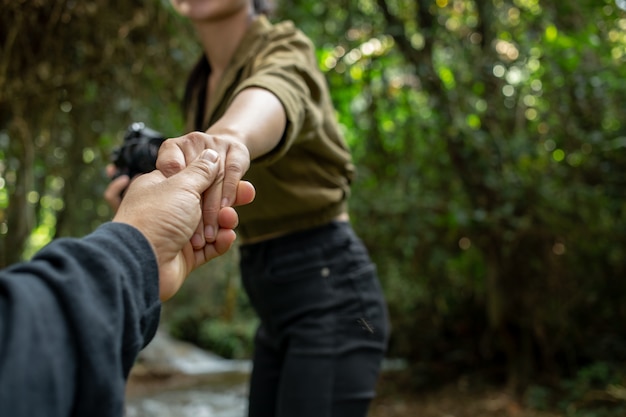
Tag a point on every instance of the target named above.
point(234, 134)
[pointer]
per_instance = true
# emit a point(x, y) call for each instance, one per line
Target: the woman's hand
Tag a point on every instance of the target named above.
point(234, 160)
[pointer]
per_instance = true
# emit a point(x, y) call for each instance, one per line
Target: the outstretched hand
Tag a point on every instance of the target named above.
point(168, 210)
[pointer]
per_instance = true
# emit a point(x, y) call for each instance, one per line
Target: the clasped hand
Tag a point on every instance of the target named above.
point(168, 210)
point(234, 160)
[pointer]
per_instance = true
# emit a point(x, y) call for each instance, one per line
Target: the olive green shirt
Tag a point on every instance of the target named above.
point(305, 180)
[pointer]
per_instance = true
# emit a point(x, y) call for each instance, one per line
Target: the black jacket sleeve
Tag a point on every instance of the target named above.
point(72, 321)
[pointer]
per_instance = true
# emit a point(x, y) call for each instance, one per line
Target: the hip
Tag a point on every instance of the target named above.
point(321, 279)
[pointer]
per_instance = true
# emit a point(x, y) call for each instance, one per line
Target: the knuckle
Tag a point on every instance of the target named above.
point(169, 165)
point(191, 139)
point(234, 167)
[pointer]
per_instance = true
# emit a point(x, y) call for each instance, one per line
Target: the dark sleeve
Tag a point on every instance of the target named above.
point(72, 321)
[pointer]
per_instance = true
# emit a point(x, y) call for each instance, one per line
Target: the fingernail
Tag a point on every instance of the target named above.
point(210, 155)
point(225, 202)
point(209, 233)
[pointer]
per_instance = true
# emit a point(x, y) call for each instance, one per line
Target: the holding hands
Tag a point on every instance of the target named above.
point(174, 208)
point(252, 126)
point(234, 160)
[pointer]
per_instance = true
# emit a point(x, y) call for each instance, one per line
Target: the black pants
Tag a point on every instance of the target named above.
point(324, 325)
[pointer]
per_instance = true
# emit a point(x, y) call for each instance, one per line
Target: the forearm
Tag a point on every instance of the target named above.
point(256, 118)
point(72, 322)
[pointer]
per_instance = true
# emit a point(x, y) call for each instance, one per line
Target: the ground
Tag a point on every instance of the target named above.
point(459, 399)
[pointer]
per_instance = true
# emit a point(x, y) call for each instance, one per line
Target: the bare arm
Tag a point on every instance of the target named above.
point(255, 118)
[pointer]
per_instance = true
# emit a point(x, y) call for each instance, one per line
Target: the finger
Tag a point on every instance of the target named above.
point(211, 201)
point(176, 153)
point(201, 174)
point(210, 209)
point(245, 193)
point(113, 192)
point(228, 218)
point(111, 170)
point(170, 158)
point(235, 166)
point(198, 240)
point(223, 242)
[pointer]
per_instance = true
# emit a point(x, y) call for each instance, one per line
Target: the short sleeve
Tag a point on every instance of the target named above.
point(286, 66)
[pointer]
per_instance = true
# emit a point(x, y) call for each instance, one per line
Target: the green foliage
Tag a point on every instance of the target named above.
point(597, 390)
point(212, 311)
point(487, 192)
point(72, 77)
point(229, 340)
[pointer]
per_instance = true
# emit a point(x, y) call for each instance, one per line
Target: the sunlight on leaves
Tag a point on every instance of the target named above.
point(447, 77)
point(356, 72)
point(473, 121)
point(558, 155)
point(88, 155)
point(530, 5)
point(41, 235)
point(551, 33)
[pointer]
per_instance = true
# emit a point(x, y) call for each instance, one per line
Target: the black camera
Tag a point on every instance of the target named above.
point(139, 151)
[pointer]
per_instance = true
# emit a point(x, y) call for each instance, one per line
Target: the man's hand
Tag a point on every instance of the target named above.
point(168, 210)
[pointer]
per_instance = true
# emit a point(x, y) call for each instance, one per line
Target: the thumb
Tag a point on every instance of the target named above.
point(201, 173)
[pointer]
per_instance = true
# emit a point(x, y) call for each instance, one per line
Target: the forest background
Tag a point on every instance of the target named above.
point(490, 141)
